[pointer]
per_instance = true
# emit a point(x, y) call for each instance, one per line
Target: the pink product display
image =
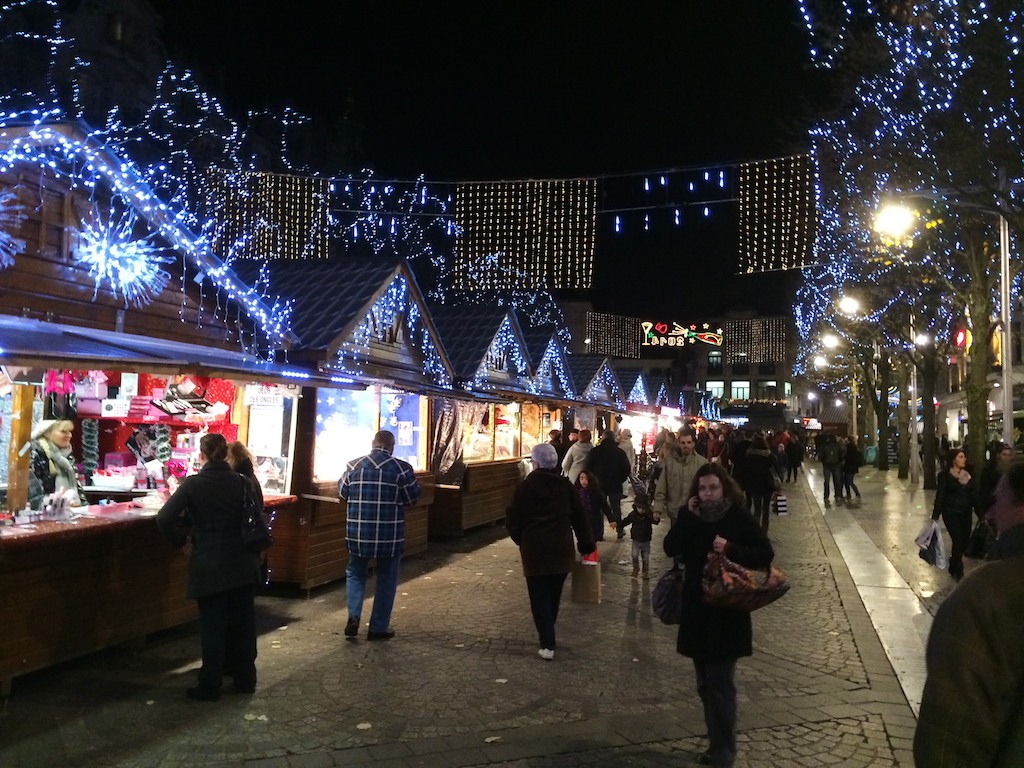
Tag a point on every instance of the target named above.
point(88, 406)
point(119, 459)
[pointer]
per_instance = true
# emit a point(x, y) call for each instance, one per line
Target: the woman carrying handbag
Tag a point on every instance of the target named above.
point(715, 519)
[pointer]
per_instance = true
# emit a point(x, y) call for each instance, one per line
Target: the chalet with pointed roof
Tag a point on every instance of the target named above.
point(595, 381)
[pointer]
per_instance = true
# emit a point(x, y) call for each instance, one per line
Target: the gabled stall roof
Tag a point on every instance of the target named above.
point(549, 362)
point(595, 381)
point(365, 317)
point(635, 388)
point(487, 348)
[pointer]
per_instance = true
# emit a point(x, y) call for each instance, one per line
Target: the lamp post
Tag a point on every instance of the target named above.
point(897, 220)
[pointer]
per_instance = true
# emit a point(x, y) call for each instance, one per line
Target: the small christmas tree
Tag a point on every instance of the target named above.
point(163, 442)
point(90, 445)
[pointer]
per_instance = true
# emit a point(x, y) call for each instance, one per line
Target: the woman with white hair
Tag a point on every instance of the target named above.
point(541, 520)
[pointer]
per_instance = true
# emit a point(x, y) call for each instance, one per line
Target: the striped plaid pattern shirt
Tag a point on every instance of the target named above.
point(377, 487)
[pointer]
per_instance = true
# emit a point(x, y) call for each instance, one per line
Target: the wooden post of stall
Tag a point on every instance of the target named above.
point(21, 433)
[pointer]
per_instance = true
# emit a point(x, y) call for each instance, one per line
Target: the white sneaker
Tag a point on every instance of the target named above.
point(546, 653)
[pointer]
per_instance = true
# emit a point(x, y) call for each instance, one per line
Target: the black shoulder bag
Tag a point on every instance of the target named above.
point(256, 535)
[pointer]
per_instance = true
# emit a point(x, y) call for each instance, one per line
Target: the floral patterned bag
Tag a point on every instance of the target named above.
point(731, 585)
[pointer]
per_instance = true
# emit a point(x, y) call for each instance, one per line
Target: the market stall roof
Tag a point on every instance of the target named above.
point(364, 317)
point(634, 386)
point(595, 381)
point(25, 342)
point(549, 361)
point(487, 348)
point(75, 144)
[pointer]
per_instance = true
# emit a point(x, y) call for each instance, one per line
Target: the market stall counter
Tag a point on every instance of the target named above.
point(71, 588)
point(481, 499)
point(309, 535)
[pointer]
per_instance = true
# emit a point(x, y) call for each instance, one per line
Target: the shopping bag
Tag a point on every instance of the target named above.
point(981, 541)
point(780, 505)
point(941, 559)
point(930, 553)
point(667, 596)
point(586, 582)
point(730, 585)
point(925, 536)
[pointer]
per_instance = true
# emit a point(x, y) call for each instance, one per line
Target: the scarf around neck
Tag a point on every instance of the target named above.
point(713, 511)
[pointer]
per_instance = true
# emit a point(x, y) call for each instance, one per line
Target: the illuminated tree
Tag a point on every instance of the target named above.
point(928, 109)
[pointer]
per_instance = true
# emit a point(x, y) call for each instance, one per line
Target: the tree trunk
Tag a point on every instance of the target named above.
point(880, 399)
point(928, 374)
point(903, 421)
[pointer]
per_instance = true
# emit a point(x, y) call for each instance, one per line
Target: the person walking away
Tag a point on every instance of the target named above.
point(376, 488)
point(204, 517)
point(781, 460)
point(852, 461)
point(994, 468)
point(795, 457)
point(610, 466)
point(703, 442)
point(679, 466)
point(955, 501)
point(972, 713)
point(762, 481)
point(643, 519)
point(594, 502)
point(625, 442)
point(577, 456)
point(541, 520)
point(831, 461)
point(738, 456)
point(555, 441)
point(715, 519)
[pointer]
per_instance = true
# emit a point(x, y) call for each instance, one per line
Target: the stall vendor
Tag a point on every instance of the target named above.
point(52, 463)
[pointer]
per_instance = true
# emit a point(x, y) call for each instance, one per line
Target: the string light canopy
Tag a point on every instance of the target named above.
point(756, 340)
point(270, 215)
point(613, 335)
point(776, 214)
point(544, 230)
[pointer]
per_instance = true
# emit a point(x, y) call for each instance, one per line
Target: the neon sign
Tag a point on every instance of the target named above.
point(660, 335)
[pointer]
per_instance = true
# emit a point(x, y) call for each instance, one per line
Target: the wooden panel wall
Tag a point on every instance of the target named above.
point(68, 595)
point(486, 491)
point(45, 282)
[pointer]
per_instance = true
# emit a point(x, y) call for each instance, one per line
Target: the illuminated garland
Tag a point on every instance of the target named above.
point(552, 367)
point(12, 216)
point(603, 382)
point(758, 340)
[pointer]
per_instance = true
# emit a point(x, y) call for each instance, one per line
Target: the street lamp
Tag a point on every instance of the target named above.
point(897, 220)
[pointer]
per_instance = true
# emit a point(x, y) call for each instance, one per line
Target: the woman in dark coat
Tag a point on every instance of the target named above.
point(543, 515)
point(762, 482)
point(955, 500)
point(716, 520)
point(204, 517)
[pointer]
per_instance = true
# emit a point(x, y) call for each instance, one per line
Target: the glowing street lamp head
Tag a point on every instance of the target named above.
point(849, 305)
point(820, 361)
point(830, 341)
point(895, 221)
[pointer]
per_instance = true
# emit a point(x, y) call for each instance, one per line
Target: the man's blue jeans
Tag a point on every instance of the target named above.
point(386, 571)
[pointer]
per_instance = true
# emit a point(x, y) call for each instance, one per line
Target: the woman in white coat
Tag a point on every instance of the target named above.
point(625, 442)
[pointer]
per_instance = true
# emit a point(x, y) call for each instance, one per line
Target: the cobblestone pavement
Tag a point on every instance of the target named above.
point(461, 684)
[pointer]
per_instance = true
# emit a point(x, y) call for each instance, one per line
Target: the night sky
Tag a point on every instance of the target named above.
point(504, 90)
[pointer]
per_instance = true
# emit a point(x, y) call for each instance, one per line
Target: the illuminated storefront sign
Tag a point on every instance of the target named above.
point(662, 335)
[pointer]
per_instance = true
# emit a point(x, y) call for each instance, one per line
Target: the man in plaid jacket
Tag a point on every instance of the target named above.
point(377, 488)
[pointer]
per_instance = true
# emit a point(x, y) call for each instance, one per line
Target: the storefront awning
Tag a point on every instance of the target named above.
point(26, 342)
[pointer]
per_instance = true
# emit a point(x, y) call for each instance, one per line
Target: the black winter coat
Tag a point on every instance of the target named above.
point(208, 507)
point(707, 632)
point(610, 465)
point(759, 480)
point(541, 519)
point(952, 496)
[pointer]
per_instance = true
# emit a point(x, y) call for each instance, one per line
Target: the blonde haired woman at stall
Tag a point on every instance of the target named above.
point(52, 462)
